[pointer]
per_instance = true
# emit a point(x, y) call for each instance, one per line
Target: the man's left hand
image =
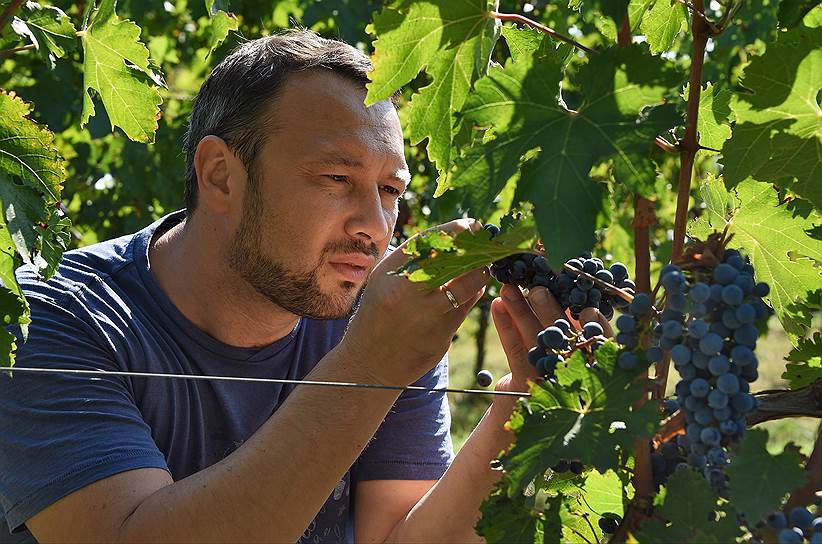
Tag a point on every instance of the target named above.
point(518, 322)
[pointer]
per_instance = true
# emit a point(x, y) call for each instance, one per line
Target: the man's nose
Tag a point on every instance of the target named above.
point(370, 219)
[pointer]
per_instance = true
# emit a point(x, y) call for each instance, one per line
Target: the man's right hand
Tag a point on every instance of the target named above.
point(402, 329)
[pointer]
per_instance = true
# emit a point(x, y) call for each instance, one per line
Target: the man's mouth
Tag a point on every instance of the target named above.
point(353, 268)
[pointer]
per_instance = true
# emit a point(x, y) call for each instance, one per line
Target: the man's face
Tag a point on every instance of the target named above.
point(322, 196)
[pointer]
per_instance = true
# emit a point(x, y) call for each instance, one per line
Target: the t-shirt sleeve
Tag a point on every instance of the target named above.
point(60, 432)
point(414, 440)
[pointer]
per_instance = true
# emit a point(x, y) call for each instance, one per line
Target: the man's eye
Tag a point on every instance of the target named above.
point(337, 177)
point(391, 190)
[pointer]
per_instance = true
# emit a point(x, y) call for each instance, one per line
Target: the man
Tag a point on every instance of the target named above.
point(291, 191)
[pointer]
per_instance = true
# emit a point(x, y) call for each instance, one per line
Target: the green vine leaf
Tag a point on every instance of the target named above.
point(776, 239)
point(437, 257)
point(582, 509)
point(662, 24)
point(48, 28)
point(779, 121)
point(506, 520)
point(713, 123)
point(31, 177)
point(587, 415)
point(531, 124)
point(453, 41)
point(116, 67)
point(687, 520)
point(221, 24)
point(805, 362)
point(758, 481)
point(12, 310)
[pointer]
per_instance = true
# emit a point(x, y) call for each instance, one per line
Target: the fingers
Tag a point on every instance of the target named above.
point(515, 348)
point(592, 314)
point(545, 306)
point(464, 288)
point(520, 311)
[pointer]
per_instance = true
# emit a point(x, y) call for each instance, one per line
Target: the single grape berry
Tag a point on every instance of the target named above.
point(801, 517)
point(592, 329)
point(484, 378)
point(608, 525)
point(492, 229)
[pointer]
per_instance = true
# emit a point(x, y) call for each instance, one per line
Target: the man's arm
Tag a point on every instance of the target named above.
point(271, 487)
point(450, 509)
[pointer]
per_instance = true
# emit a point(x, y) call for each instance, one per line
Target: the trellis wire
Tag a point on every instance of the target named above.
point(103, 373)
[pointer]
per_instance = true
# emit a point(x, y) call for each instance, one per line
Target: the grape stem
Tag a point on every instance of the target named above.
point(689, 145)
point(9, 52)
point(538, 26)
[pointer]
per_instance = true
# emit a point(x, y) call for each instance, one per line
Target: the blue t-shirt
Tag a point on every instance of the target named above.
point(105, 310)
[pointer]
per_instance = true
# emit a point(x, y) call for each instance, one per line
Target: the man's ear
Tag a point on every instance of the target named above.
point(218, 172)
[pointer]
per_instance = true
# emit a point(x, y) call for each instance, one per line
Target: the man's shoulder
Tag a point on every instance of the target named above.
point(88, 267)
point(79, 269)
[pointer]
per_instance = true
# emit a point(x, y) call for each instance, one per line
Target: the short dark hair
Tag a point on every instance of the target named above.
point(233, 101)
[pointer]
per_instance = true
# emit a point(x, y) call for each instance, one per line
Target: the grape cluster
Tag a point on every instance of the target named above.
point(572, 290)
point(557, 342)
point(712, 348)
point(798, 527)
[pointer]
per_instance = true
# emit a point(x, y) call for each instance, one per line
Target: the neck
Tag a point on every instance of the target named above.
point(190, 267)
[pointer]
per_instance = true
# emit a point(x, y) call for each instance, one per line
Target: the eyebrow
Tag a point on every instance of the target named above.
point(402, 175)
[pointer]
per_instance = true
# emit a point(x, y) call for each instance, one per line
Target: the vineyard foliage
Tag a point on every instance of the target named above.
point(562, 134)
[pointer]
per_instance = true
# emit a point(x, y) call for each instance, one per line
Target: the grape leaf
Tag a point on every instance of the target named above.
point(582, 509)
point(507, 520)
point(524, 42)
point(438, 257)
point(688, 518)
point(27, 150)
point(8, 264)
point(453, 41)
point(48, 28)
point(805, 366)
point(559, 145)
point(662, 24)
point(221, 24)
point(31, 174)
point(116, 66)
point(779, 121)
point(12, 310)
point(758, 481)
point(776, 240)
point(588, 415)
point(713, 122)
point(791, 12)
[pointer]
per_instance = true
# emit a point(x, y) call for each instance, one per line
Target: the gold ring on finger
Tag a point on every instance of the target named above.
point(451, 298)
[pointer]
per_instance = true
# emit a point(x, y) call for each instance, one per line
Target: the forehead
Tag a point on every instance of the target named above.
point(318, 111)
